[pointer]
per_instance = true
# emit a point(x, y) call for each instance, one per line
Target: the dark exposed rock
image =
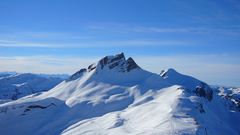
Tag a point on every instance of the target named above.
point(204, 91)
point(118, 61)
point(91, 67)
point(118, 57)
point(103, 62)
point(200, 91)
point(112, 62)
point(113, 65)
point(131, 64)
point(163, 73)
point(29, 108)
point(36, 106)
point(200, 108)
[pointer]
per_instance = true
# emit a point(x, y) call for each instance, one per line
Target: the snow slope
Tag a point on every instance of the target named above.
point(116, 96)
point(191, 84)
point(159, 115)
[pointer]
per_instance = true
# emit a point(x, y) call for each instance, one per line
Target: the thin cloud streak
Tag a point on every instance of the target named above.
point(121, 28)
point(200, 30)
point(44, 64)
point(45, 35)
point(95, 44)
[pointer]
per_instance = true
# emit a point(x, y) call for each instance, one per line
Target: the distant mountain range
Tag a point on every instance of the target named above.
point(15, 85)
point(116, 96)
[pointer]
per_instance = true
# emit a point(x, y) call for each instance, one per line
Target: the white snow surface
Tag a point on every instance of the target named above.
point(17, 85)
point(121, 100)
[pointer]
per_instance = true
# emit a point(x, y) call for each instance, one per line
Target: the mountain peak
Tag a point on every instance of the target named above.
point(117, 62)
point(200, 88)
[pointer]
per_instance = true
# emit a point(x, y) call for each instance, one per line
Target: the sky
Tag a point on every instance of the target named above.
point(196, 37)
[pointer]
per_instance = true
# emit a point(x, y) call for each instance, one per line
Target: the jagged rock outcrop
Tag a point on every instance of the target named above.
point(204, 91)
point(131, 64)
point(91, 67)
point(118, 62)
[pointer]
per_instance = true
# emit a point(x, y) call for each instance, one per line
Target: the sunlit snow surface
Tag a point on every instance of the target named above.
point(100, 100)
point(158, 115)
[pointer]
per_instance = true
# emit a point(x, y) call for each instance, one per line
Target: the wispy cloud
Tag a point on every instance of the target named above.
point(128, 36)
point(44, 64)
point(13, 43)
point(196, 30)
point(43, 35)
point(121, 28)
point(95, 44)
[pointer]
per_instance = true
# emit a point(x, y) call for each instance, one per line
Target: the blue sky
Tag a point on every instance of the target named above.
point(199, 38)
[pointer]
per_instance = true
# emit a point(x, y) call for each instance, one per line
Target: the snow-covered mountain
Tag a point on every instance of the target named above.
point(16, 85)
point(5, 74)
point(231, 96)
point(116, 96)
